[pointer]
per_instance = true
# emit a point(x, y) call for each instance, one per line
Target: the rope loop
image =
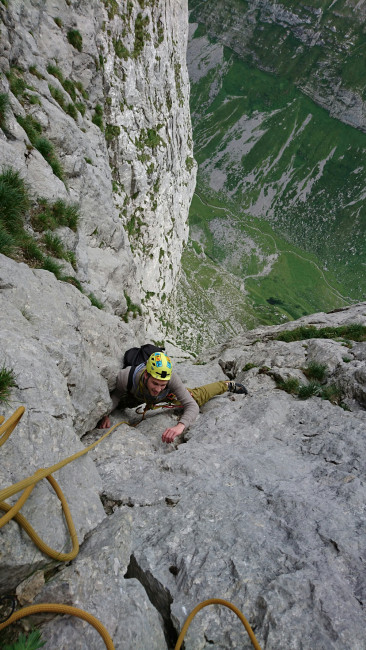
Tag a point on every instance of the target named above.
point(12, 512)
point(62, 609)
point(216, 601)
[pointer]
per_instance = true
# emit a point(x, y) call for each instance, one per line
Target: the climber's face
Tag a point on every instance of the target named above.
point(155, 386)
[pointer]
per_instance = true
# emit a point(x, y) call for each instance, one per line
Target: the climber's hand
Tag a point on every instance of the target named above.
point(172, 432)
point(104, 423)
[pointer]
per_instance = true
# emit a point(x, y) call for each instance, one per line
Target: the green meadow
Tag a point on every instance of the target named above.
point(279, 204)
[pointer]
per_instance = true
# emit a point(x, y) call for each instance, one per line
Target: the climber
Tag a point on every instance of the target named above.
point(155, 382)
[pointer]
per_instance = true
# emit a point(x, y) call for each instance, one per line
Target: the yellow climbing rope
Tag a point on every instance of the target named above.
point(216, 601)
point(12, 513)
point(80, 613)
point(7, 428)
point(28, 484)
point(62, 609)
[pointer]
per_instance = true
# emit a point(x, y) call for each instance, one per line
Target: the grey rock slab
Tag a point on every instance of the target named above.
point(194, 375)
point(269, 512)
point(136, 452)
point(64, 353)
point(326, 352)
point(96, 583)
point(40, 441)
point(261, 501)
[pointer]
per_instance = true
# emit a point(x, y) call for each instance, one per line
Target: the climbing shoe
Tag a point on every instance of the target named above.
point(237, 388)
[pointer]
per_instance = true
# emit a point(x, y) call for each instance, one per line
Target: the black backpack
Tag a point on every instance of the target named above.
point(135, 356)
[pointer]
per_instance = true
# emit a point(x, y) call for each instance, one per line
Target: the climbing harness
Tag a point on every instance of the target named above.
point(6, 428)
point(172, 403)
point(141, 410)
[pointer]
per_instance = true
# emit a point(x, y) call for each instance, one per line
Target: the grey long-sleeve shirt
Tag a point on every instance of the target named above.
point(175, 385)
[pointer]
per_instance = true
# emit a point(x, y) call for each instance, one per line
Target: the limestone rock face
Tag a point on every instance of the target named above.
point(343, 361)
point(108, 85)
point(263, 504)
point(64, 355)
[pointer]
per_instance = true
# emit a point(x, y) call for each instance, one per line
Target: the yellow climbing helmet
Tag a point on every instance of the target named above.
point(159, 366)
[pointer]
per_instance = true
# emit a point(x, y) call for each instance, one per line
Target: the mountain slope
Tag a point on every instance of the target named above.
point(279, 200)
point(319, 46)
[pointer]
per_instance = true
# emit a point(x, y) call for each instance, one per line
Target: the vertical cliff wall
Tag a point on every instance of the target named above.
point(105, 83)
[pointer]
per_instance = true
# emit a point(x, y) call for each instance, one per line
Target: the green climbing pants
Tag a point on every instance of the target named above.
point(203, 394)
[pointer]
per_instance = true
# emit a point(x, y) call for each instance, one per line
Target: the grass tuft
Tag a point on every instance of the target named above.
point(314, 370)
point(7, 382)
point(248, 366)
point(33, 130)
point(46, 149)
point(31, 642)
point(33, 70)
point(14, 201)
point(54, 245)
point(4, 109)
point(16, 82)
point(291, 385)
point(313, 388)
point(50, 216)
point(74, 281)
point(30, 249)
point(354, 332)
point(331, 392)
point(97, 118)
point(75, 39)
point(50, 265)
point(7, 242)
point(95, 302)
point(19, 244)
